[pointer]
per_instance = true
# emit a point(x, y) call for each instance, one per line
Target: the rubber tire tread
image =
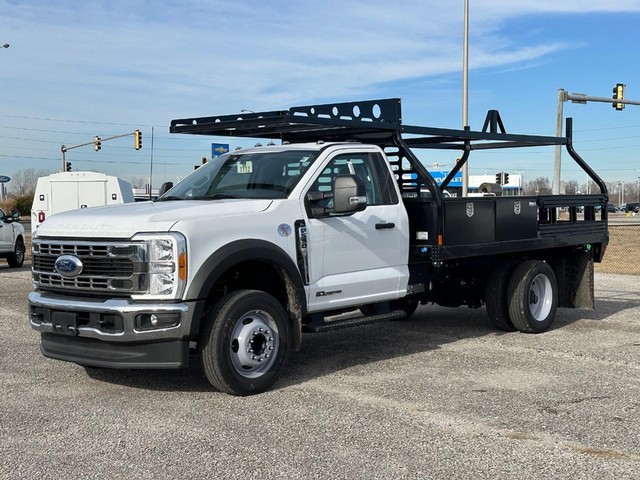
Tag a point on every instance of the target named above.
point(213, 342)
point(519, 287)
point(497, 297)
point(12, 258)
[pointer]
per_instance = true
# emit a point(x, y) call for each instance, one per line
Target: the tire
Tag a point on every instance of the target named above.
point(16, 259)
point(533, 296)
point(245, 343)
point(497, 297)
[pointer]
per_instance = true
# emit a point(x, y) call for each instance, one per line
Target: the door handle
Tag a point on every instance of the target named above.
point(381, 225)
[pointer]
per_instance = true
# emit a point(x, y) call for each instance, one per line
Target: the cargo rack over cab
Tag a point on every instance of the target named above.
point(379, 122)
point(376, 122)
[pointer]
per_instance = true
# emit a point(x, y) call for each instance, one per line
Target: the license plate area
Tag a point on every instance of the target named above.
point(65, 323)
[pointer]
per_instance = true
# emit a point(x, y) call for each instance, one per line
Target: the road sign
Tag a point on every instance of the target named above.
point(218, 149)
point(4, 179)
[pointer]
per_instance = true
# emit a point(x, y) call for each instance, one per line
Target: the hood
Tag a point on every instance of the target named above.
point(125, 220)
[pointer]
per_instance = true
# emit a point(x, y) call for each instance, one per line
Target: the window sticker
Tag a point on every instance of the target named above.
point(246, 167)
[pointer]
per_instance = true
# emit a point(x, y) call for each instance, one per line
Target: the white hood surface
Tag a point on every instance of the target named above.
point(124, 221)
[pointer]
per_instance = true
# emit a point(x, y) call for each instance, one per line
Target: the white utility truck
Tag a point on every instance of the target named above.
point(64, 191)
point(338, 225)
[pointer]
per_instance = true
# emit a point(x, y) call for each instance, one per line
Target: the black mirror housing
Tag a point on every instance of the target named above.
point(166, 186)
point(349, 194)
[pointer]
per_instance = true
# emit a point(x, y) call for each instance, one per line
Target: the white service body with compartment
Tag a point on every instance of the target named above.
point(60, 192)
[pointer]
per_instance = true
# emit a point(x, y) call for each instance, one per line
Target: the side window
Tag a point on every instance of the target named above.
point(371, 170)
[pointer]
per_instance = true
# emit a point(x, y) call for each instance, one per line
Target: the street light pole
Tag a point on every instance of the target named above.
point(558, 153)
point(465, 92)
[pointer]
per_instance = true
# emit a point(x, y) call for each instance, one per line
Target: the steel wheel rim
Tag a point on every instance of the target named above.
point(254, 344)
point(540, 297)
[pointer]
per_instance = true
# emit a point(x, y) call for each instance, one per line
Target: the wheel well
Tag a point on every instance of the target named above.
point(267, 277)
point(251, 274)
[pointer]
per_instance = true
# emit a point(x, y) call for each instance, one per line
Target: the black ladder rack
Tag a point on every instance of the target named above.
point(377, 122)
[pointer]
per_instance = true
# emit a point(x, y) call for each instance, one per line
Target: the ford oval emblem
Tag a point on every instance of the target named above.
point(68, 266)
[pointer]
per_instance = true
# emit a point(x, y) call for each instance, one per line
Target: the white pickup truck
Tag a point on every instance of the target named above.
point(262, 244)
point(12, 246)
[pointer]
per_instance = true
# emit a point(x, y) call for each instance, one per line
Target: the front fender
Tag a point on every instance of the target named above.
point(238, 252)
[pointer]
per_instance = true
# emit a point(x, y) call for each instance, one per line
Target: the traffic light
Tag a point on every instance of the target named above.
point(506, 178)
point(97, 144)
point(499, 178)
point(67, 167)
point(137, 136)
point(618, 94)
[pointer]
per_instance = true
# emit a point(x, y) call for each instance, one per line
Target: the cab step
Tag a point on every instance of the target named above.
point(325, 326)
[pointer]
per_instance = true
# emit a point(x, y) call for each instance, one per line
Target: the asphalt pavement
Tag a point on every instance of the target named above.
point(438, 396)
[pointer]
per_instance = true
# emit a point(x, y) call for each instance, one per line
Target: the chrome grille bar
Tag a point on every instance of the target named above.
point(108, 267)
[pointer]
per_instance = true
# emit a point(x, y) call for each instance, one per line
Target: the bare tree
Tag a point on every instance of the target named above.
point(539, 186)
point(571, 187)
point(23, 182)
point(137, 182)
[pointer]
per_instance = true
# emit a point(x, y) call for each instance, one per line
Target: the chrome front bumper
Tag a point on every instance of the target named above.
point(114, 333)
point(113, 320)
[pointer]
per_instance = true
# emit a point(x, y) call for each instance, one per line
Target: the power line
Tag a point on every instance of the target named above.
point(74, 121)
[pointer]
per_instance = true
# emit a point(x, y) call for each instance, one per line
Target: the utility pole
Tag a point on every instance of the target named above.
point(465, 92)
point(616, 102)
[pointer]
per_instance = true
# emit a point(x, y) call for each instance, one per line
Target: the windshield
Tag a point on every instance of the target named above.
point(269, 175)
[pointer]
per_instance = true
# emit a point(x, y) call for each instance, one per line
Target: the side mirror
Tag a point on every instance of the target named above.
point(15, 215)
point(349, 194)
point(166, 186)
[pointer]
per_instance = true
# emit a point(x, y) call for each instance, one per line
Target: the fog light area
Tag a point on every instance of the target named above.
point(152, 321)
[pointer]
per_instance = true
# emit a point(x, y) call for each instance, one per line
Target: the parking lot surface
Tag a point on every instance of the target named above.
point(438, 396)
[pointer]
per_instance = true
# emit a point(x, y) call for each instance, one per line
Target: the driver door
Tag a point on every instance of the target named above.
point(360, 257)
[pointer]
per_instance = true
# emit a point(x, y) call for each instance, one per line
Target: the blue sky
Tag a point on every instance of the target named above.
point(84, 68)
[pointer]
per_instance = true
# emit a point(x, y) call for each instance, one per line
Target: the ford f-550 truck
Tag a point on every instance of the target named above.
point(262, 244)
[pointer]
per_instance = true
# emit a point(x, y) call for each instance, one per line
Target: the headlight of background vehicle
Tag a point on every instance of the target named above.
point(166, 260)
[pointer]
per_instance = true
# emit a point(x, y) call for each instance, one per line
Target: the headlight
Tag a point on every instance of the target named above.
point(166, 260)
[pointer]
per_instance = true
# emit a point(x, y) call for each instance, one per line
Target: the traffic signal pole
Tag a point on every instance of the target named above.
point(563, 96)
point(97, 144)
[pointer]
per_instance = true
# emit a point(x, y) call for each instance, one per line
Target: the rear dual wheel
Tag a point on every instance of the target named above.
point(522, 297)
point(533, 296)
point(497, 297)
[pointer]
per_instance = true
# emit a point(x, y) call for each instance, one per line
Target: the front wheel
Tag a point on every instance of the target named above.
point(533, 296)
point(16, 259)
point(244, 345)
